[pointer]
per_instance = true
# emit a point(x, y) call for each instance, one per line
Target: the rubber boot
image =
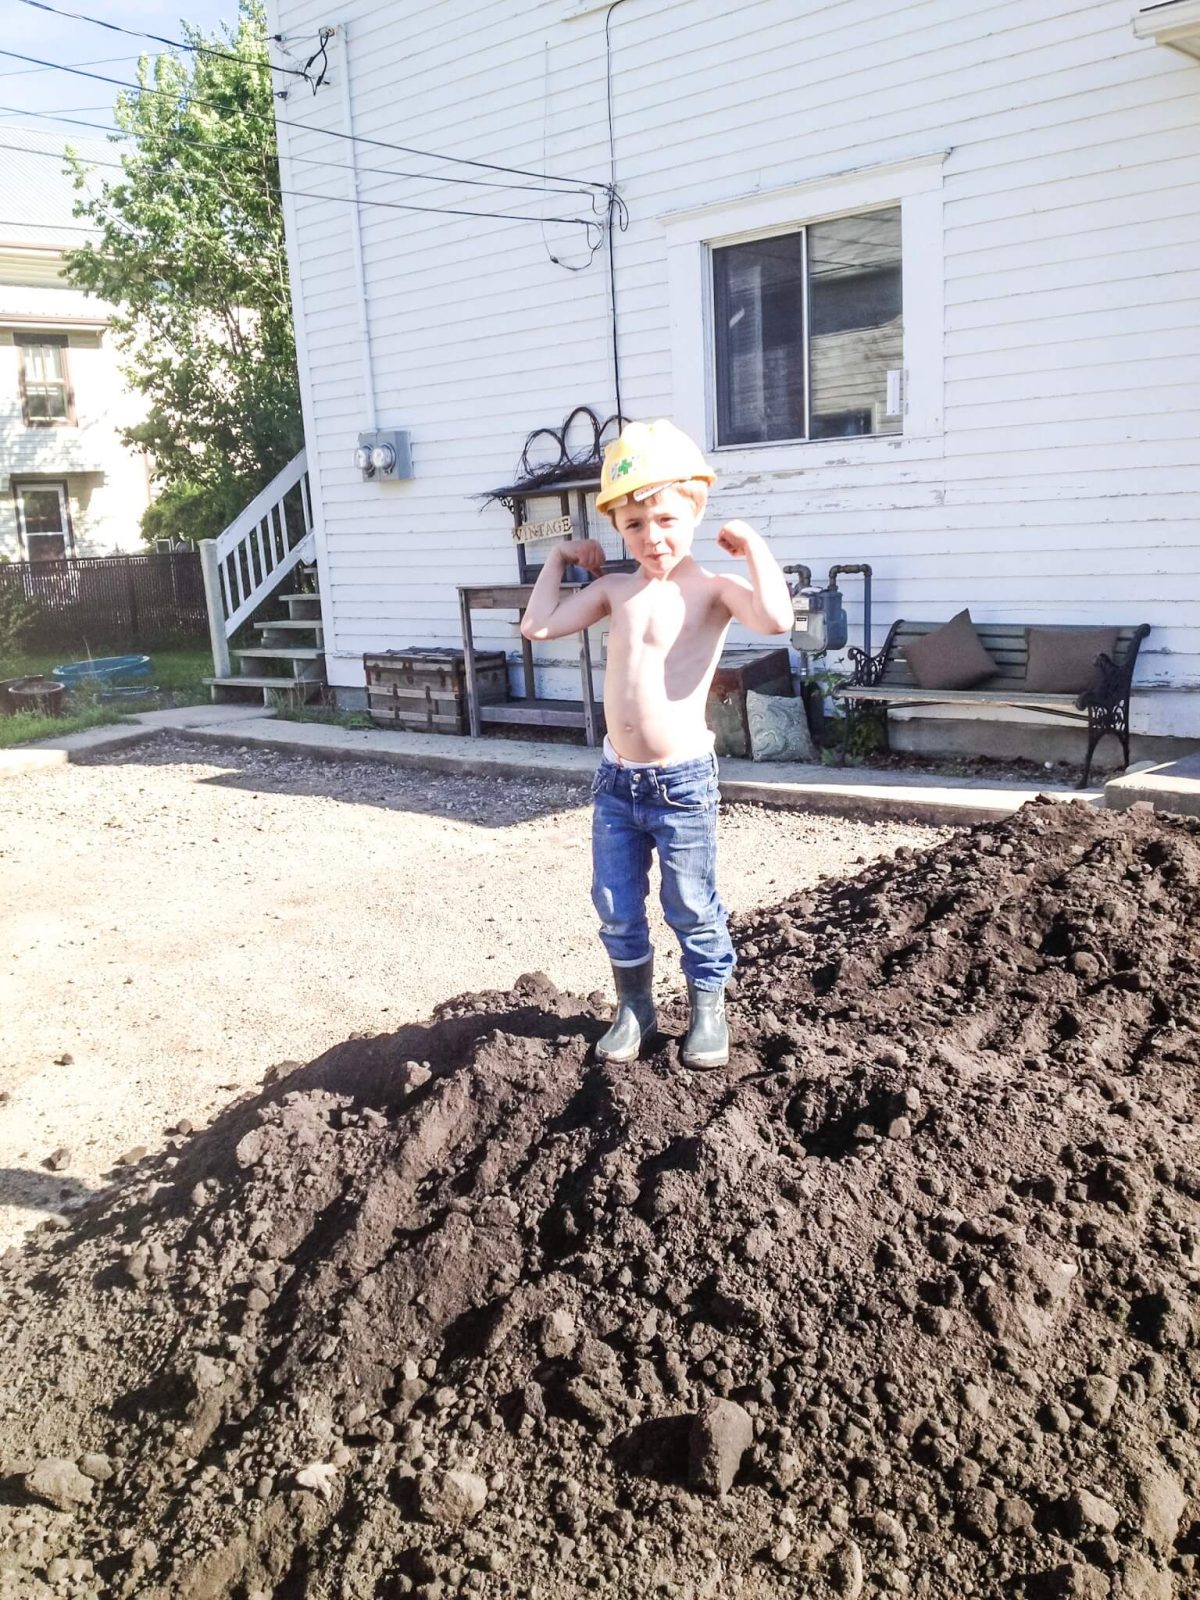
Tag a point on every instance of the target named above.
point(635, 1018)
point(707, 1042)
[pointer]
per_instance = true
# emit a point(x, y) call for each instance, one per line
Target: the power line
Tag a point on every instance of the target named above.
point(104, 61)
point(304, 127)
point(350, 200)
point(315, 161)
point(59, 227)
point(173, 44)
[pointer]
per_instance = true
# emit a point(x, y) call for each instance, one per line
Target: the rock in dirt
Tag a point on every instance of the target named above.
point(60, 1483)
point(450, 1498)
point(721, 1434)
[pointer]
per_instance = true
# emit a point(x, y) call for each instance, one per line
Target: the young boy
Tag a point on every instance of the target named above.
point(656, 788)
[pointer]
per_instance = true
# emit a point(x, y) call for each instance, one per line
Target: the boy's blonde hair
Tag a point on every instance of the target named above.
point(694, 490)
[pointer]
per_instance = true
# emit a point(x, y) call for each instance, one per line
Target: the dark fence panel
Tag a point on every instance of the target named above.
point(106, 602)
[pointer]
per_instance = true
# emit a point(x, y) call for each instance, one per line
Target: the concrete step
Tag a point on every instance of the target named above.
point(274, 691)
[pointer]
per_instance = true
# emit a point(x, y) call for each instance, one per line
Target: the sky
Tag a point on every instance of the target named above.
point(25, 90)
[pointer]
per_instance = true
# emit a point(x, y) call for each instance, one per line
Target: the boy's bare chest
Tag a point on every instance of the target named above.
point(660, 619)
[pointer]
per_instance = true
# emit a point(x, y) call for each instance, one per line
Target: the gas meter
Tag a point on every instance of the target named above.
point(820, 618)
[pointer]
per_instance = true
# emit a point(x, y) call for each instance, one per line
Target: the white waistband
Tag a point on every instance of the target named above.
point(674, 760)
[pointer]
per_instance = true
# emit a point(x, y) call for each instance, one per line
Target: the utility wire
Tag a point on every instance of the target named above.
point(174, 44)
point(105, 61)
point(318, 161)
point(304, 127)
point(350, 200)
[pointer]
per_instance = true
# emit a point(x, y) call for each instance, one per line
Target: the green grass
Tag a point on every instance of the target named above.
point(26, 727)
point(326, 714)
point(178, 674)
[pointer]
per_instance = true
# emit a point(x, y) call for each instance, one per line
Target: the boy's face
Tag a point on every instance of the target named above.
point(658, 532)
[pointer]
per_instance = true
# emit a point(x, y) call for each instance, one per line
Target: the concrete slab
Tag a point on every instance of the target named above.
point(845, 791)
point(29, 758)
point(48, 753)
point(1172, 786)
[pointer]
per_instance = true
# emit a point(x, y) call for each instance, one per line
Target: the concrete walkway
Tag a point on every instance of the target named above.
point(1168, 786)
point(847, 791)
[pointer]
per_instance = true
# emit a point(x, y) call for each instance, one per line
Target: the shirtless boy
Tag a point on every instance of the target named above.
point(656, 788)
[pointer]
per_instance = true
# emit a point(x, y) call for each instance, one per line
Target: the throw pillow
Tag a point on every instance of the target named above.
point(1063, 660)
point(950, 657)
point(778, 728)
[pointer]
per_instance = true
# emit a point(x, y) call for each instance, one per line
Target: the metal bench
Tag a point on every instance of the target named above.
point(884, 680)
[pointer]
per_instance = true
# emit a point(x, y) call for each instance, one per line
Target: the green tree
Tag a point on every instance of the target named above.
point(191, 254)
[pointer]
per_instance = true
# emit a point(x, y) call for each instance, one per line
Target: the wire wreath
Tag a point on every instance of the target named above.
point(546, 458)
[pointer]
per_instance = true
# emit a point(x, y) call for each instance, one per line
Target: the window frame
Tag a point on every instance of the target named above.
point(25, 340)
point(915, 186)
point(19, 488)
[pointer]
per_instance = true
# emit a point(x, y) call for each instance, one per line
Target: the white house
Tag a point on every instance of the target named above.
point(923, 276)
point(68, 486)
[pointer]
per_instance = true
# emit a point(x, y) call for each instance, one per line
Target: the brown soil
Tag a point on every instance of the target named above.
point(449, 1311)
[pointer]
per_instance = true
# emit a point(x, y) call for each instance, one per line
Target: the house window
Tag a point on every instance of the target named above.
point(808, 326)
point(44, 520)
point(46, 397)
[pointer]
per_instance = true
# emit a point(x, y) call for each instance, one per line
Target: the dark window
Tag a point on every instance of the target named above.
point(808, 326)
point(44, 520)
point(45, 381)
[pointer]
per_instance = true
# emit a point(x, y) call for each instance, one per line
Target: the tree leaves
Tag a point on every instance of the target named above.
point(191, 254)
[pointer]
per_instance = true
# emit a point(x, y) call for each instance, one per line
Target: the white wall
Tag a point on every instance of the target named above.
point(1064, 482)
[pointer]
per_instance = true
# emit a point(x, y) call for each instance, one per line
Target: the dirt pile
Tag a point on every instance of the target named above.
point(905, 1303)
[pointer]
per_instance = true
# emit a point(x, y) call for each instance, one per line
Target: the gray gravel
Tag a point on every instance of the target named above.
point(178, 918)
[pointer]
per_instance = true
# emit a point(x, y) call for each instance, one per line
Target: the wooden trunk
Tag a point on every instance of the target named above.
point(768, 671)
point(425, 690)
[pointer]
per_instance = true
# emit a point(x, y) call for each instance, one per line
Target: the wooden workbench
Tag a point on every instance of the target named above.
point(529, 711)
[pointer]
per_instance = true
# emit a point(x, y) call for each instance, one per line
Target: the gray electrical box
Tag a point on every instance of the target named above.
point(384, 455)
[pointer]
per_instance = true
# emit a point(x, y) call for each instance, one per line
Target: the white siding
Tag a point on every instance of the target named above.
point(1066, 483)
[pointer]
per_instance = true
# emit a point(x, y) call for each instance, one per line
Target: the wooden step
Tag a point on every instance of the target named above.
point(251, 680)
point(281, 653)
point(313, 624)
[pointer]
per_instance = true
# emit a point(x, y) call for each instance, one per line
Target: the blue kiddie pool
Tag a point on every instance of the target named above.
point(110, 676)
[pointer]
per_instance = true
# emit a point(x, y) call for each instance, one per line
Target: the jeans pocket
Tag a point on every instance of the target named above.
point(689, 794)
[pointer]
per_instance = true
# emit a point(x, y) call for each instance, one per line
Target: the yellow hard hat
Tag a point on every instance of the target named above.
point(649, 455)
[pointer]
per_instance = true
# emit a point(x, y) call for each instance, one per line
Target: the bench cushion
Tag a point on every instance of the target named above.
point(1063, 660)
point(950, 657)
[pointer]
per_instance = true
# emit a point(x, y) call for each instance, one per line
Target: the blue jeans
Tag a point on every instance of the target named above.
point(672, 810)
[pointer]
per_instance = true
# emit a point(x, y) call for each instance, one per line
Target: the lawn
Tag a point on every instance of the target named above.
point(177, 674)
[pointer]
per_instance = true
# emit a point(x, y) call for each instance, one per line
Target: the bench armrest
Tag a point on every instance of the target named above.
point(868, 670)
point(1111, 684)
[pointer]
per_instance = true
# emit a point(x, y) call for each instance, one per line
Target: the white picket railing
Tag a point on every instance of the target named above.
point(246, 562)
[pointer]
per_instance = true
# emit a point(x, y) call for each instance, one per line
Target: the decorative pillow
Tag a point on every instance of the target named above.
point(1063, 660)
point(950, 657)
point(778, 728)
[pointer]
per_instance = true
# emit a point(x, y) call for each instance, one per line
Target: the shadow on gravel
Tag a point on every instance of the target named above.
point(489, 801)
point(39, 1191)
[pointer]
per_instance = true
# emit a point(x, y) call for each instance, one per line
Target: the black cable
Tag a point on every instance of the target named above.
point(104, 61)
point(173, 44)
point(622, 214)
point(314, 161)
point(304, 127)
point(351, 200)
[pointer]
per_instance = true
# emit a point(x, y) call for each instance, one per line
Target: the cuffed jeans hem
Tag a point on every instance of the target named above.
point(641, 960)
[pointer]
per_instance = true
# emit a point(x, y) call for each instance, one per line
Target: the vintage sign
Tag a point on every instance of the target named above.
point(527, 532)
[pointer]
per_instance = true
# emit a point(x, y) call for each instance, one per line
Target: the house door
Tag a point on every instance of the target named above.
point(44, 520)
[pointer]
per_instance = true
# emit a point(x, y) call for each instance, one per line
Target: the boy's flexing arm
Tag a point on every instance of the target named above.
point(763, 603)
point(548, 615)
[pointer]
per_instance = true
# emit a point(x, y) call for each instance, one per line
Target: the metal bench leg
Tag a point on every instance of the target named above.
point(1094, 737)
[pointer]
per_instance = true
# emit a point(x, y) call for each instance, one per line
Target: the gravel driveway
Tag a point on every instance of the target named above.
point(177, 919)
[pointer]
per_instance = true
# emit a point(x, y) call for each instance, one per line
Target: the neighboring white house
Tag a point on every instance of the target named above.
point(923, 275)
point(68, 486)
